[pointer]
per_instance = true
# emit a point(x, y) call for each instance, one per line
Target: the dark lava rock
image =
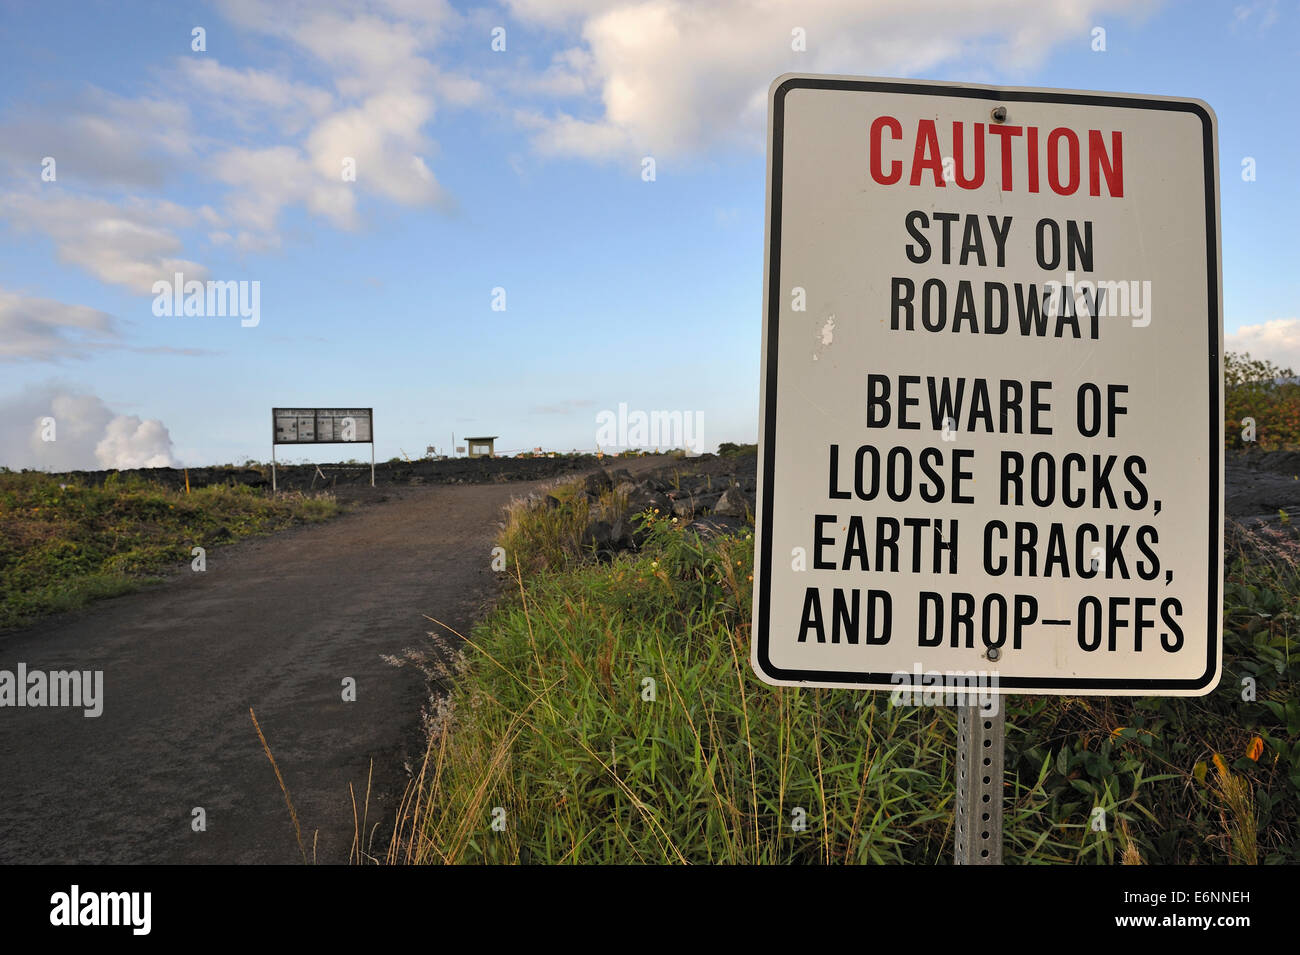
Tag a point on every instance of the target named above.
point(626, 535)
point(597, 483)
point(641, 498)
point(598, 535)
point(714, 526)
point(734, 503)
point(1259, 484)
point(708, 494)
point(708, 501)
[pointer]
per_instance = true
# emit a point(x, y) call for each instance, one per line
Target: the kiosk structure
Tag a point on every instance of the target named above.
point(322, 426)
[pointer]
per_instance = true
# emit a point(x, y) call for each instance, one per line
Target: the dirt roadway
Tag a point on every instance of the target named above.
point(277, 624)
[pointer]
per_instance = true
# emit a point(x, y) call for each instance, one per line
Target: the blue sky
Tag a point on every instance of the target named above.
point(478, 169)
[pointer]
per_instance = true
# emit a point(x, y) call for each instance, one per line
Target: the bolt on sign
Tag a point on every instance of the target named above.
point(991, 407)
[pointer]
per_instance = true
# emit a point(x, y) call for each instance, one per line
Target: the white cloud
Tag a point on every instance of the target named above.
point(636, 77)
point(369, 95)
point(101, 138)
point(265, 180)
point(377, 55)
point(561, 13)
point(458, 90)
point(88, 435)
point(35, 329)
point(383, 136)
point(367, 54)
point(129, 442)
point(42, 329)
point(1277, 341)
point(1266, 10)
point(673, 77)
point(252, 95)
point(129, 243)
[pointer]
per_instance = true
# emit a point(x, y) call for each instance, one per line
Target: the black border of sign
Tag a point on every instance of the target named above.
point(286, 444)
point(777, 144)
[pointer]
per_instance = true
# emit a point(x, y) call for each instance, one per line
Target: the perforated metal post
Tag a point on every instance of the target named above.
point(981, 749)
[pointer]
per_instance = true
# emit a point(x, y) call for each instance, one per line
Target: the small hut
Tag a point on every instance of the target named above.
point(482, 447)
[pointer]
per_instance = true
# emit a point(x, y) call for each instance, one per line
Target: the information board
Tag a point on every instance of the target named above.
point(321, 425)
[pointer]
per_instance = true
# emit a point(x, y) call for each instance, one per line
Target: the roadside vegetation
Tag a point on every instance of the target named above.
point(606, 713)
point(63, 544)
point(729, 450)
point(1259, 392)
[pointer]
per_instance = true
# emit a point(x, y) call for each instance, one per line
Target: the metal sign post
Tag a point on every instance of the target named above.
point(981, 755)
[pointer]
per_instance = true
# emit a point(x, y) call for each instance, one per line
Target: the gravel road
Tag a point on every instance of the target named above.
point(277, 624)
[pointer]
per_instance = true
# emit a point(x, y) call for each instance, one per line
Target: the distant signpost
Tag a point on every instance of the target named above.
point(322, 426)
point(992, 419)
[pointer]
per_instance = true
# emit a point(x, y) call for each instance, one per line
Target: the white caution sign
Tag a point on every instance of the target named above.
point(992, 419)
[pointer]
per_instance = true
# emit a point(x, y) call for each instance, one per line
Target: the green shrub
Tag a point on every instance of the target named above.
point(729, 450)
point(1261, 391)
point(63, 544)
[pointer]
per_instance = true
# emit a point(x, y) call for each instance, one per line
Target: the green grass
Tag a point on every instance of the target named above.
point(547, 729)
point(63, 545)
point(550, 538)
